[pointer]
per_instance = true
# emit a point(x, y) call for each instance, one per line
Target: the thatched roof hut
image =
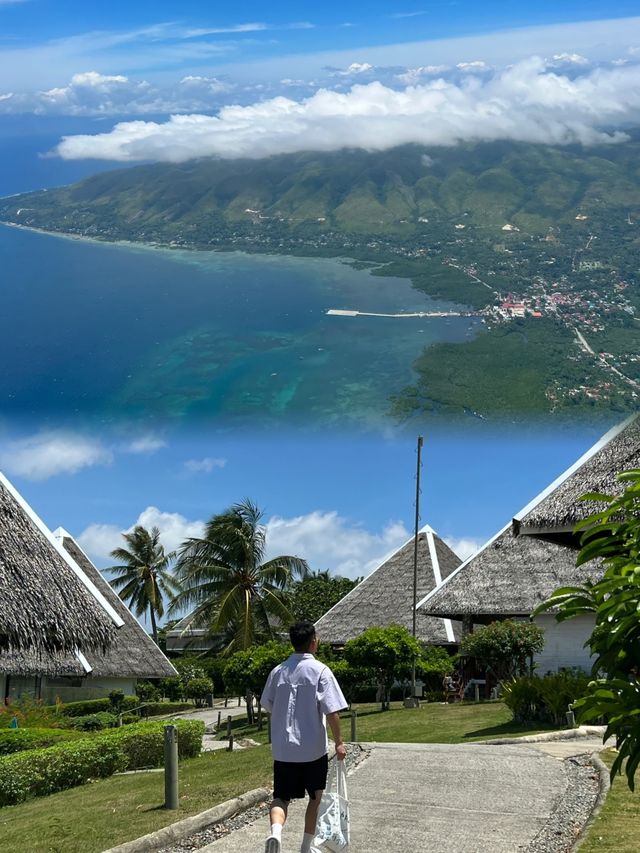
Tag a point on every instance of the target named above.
point(132, 654)
point(385, 597)
point(48, 608)
point(508, 577)
point(559, 507)
point(536, 552)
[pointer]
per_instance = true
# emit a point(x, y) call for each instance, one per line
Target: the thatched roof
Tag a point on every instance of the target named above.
point(30, 663)
point(46, 608)
point(510, 576)
point(133, 654)
point(559, 507)
point(385, 597)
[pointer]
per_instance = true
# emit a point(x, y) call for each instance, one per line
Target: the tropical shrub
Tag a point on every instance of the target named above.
point(561, 689)
point(523, 698)
point(506, 647)
point(546, 699)
point(95, 722)
point(146, 691)
point(18, 740)
point(28, 712)
point(385, 654)
point(199, 689)
point(36, 772)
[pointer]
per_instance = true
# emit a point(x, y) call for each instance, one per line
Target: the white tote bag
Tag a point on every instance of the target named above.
point(332, 831)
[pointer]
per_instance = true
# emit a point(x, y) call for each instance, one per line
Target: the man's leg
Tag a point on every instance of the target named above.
point(310, 822)
point(277, 816)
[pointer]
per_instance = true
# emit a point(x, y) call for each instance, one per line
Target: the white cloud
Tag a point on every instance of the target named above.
point(408, 14)
point(48, 454)
point(238, 28)
point(526, 102)
point(93, 94)
point(413, 76)
point(145, 444)
point(464, 547)
point(471, 67)
point(569, 59)
point(98, 540)
point(329, 541)
point(354, 69)
point(206, 465)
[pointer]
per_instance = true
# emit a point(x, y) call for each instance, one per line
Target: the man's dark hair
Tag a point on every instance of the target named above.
point(301, 635)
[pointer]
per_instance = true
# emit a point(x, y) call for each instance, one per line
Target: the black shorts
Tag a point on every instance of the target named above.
point(292, 778)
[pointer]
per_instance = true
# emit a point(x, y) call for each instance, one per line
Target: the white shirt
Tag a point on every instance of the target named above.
point(298, 694)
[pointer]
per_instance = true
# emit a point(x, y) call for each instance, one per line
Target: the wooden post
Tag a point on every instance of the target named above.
point(477, 692)
point(230, 747)
point(354, 718)
point(229, 726)
point(170, 767)
point(219, 720)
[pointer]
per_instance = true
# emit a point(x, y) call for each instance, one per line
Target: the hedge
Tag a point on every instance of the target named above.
point(95, 722)
point(18, 740)
point(157, 709)
point(143, 743)
point(94, 706)
point(37, 772)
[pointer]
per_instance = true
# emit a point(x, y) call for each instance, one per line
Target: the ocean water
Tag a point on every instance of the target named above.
point(111, 331)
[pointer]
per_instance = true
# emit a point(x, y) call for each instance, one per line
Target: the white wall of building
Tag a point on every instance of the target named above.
point(564, 643)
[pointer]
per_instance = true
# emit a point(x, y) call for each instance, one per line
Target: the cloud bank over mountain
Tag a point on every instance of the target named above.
point(533, 101)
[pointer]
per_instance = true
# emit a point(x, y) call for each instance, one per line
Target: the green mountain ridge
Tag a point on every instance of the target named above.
point(353, 192)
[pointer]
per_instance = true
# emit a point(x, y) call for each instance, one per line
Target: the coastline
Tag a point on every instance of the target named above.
point(372, 266)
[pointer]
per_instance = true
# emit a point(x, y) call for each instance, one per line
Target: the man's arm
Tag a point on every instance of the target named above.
point(334, 725)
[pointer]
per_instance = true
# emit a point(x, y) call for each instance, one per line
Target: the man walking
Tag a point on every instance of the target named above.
point(299, 693)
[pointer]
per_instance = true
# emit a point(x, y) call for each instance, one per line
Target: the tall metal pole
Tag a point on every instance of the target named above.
point(415, 557)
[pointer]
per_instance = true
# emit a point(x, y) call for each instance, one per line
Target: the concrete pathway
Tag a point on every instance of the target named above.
point(441, 798)
point(209, 717)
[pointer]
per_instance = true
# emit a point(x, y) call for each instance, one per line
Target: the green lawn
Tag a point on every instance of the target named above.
point(93, 817)
point(436, 723)
point(617, 827)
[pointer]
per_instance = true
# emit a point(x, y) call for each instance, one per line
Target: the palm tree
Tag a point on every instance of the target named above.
point(143, 577)
point(225, 578)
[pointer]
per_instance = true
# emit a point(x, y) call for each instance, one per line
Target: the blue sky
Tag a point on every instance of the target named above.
point(342, 501)
point(298, 27)
point(293, 76)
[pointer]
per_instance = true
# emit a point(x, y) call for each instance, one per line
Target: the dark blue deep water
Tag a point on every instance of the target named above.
point(112, 331)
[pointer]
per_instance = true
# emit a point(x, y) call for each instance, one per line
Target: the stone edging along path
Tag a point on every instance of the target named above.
point(189, 825)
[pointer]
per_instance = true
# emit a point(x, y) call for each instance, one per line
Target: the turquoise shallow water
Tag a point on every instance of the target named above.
point(116, 331)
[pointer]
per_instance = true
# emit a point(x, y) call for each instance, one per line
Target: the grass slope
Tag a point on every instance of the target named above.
point(617, 827)
point(111, 811)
